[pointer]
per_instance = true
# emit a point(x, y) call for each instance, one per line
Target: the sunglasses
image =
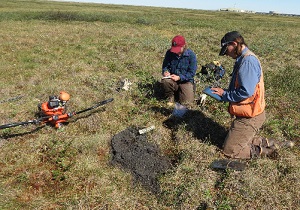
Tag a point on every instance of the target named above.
point(226, 44)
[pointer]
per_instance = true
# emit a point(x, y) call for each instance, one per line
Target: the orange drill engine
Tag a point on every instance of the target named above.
point(55, 108)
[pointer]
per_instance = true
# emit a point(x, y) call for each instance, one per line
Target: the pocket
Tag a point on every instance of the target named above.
point(242, 110)
point(246, 110)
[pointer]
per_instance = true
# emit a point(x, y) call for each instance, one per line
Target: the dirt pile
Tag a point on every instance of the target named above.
point(142, 159)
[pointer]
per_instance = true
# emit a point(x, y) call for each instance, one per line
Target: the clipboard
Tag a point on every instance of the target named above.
point(209, 92)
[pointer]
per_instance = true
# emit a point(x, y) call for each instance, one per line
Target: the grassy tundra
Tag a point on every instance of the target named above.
point(86, 49)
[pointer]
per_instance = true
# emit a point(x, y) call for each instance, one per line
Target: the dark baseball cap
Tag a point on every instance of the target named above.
point(227, 39)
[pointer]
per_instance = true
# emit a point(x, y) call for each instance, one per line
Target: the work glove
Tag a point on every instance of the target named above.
point(203, 99)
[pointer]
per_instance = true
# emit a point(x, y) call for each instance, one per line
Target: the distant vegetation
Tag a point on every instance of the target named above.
point(87, 50)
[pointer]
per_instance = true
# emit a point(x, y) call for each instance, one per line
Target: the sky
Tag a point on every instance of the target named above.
point(281, 6)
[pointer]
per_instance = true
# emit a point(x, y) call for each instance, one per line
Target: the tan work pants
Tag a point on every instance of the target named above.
point(241, 136)
point(185, 91)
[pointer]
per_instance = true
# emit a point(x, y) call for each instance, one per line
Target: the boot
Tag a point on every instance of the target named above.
point(259, 151)
point(277, 144)
point(267, 151)
point(284, 144)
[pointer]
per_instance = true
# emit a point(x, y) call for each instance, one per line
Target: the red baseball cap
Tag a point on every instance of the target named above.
point(177, 43)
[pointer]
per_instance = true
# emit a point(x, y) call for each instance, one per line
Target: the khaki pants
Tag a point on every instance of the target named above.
point(185, 91)
point(241, 136)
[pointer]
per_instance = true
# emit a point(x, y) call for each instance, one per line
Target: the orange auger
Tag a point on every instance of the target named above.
point(47, 119)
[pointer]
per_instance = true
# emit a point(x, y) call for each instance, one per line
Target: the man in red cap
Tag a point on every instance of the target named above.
point(178, 70)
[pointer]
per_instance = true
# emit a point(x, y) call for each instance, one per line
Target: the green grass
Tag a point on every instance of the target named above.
point(86, 49)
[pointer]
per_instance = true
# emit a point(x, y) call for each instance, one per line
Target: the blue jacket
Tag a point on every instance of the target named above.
point(185, 66)
point(249, 73)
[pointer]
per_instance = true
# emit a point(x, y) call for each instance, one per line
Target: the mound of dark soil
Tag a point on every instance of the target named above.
point(134, 153)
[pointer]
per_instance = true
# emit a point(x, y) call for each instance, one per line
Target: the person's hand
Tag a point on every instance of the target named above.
point(175, 77)
point(218, 91)
point(166, 74)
